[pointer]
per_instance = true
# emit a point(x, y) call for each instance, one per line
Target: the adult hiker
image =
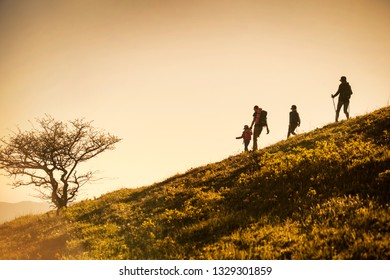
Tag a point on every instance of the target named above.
point(259, 121)
point(344, 92)
point(294, 122)
point(246, 136)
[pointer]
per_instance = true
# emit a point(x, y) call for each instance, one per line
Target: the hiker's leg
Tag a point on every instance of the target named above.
point(346, 106)
point(254, 146)
point(293, 127)
point(260, 129)
point(256, 134)
point(339, 104)
point(254, 143)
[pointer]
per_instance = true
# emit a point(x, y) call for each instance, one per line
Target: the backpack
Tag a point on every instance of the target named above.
point(263, 118)
point(345, 92)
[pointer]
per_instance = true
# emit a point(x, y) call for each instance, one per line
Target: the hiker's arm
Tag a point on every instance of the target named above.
point(337, 92)
point(253, 122)
point(266, 126)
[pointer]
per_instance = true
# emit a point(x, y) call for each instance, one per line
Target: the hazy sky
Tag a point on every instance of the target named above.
point(177, 80)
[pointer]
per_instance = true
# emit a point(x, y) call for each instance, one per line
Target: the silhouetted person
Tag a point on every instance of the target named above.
point(259, 121)
point(294, 121)
point(344, 92)
point(246, 136)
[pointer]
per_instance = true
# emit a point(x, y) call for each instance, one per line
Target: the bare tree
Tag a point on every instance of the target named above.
point(47, 157)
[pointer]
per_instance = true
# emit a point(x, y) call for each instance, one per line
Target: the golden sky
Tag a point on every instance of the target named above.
point(177, 80)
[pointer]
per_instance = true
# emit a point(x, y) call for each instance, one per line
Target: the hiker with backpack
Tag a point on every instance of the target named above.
point(344, 92)
point(294, 121)
point(246, 136)
point(259, 121)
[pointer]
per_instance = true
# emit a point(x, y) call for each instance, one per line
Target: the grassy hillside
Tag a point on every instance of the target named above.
point(319, 195)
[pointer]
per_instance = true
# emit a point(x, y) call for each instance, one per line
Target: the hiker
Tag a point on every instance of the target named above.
point(246, 136)
point(259, 121)
point(344, 92)
point(294, 122)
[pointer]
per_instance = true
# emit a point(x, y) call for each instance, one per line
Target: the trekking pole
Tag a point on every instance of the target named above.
point(334, 105)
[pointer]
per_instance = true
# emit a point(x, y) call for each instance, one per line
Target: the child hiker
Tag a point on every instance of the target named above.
point(246, 136)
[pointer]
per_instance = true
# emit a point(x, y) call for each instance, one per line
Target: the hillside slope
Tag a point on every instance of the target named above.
point(320, 195)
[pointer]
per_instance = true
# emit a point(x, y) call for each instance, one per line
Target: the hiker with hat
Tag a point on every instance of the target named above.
point(246, 136)
point(344, 92)
point(259, 121)
point(294, 122)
